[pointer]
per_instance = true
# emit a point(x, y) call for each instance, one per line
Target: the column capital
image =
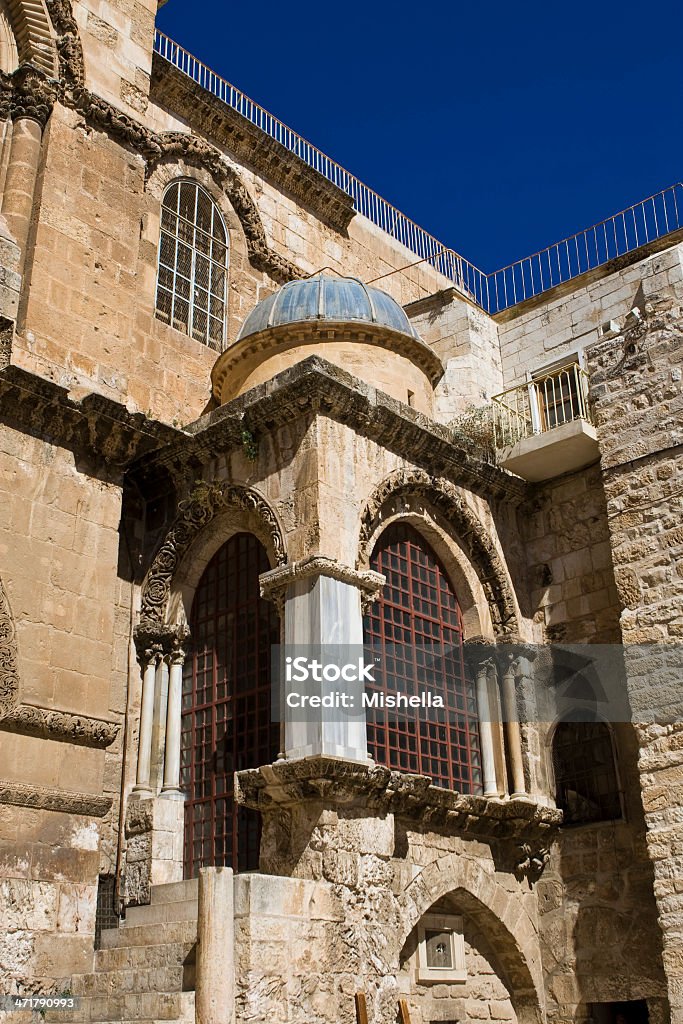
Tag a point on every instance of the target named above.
point(158, 638)
point(33, 95)
point(275, 582)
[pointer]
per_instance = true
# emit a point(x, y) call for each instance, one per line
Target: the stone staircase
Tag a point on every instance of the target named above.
point(144, 971)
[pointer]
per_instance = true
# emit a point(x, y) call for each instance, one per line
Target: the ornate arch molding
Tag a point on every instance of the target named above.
point(441, 498)
point(500, 914)
point(155, 147)
point(194, 515)
point(9, 676)
point(33, 34)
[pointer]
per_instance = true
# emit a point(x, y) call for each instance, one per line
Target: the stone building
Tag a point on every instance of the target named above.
point(245, 404)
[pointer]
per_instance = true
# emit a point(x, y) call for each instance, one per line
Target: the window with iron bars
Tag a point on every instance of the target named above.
point(586, 781)
point(193, 264)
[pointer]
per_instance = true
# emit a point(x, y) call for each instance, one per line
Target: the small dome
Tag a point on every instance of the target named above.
point(336, 299)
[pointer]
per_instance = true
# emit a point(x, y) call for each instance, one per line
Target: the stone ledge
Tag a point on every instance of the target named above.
point(337, 782)
point(54, 800)
point(204, 112)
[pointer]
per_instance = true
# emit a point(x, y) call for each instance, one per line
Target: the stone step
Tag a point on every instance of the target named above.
point(159, 913)
point(186, 1014)
point(175, 892)
point(167, 933)
point(130, 958)
point(150, 979)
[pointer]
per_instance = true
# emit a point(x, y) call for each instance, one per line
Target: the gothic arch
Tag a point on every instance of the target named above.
point(501, 915)
point(32, 33)
point(9, 676)
point(440, 501)
point(207, 502)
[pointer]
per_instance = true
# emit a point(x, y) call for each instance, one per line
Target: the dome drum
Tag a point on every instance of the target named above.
point(356, 327)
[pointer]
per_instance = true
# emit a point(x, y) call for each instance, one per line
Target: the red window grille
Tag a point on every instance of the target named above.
point(416, 625)
point(226, 724)
point(587, 786)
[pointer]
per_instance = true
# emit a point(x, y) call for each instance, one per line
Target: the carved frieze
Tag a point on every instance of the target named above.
point(81, 730)
point(206, 502)
point(9, 678)
point(40, 798)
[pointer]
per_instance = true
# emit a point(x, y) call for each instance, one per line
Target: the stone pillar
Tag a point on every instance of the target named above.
point(143, 780)
point(31, 105)
point(321, 601)
point(215, 983)
point(512, 729)
point(171, 787)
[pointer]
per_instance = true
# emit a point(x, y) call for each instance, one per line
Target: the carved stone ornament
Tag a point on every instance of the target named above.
point(38, 797)
point(441, 496)
point(194, 514)
point(532, 862)
point(274, 788)
point(274, 583)
point(9, 677)
point(33, 94)
point(155, 147)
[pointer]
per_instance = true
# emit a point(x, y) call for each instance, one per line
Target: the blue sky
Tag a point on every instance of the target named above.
point(500, 128)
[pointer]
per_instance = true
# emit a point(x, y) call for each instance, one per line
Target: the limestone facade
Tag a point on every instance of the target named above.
point(131, 454)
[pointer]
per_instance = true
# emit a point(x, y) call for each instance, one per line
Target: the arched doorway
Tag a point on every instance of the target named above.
point(226, 722)
point(417, 625)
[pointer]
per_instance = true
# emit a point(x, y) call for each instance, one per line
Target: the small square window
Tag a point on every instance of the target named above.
point(441, 949)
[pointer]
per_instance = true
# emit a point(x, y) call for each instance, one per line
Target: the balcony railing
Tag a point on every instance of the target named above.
point(652, 218)
point(540, 405)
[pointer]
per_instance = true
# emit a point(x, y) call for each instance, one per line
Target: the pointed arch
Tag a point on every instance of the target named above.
point(438, 500)
point(500, 914)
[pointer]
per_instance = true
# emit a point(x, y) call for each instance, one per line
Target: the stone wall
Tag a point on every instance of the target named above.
point(636, 391)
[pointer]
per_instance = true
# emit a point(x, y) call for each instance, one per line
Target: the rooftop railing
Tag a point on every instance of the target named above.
point(652, 218)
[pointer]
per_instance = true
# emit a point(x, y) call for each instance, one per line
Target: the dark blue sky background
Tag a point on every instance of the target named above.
point(498, 127)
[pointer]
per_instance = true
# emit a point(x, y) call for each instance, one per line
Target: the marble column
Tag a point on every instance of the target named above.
point(321, 601)
point(143, 785)
point(171, 787)
point(215, 983)
point(512, 729)
point(488, 762)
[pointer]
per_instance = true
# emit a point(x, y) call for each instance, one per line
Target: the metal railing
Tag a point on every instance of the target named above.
point(540, 405)
point(652, 218)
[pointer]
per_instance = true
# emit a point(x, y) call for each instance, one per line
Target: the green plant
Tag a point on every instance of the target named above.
point(475, 429)
point(249, 445)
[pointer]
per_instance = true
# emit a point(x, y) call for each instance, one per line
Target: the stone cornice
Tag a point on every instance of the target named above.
point(274, 583)
point(207, 114)
point(315, 386)
point(335, 782)
point(94, 425)
point(40, 798)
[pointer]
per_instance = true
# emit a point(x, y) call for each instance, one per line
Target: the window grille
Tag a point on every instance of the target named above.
point(417, 625)
point(586, 782)
point(106, 910)
point(226, 722)
point(193, 264)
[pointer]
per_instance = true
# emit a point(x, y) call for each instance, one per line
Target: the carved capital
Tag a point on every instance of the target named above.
point(275, 582)
point(532, 862)
point(33, 95)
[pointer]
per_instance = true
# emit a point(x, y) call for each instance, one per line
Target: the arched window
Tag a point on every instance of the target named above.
point(416, 625)
point(193, 264)
point(226, 723)
point(586, 784)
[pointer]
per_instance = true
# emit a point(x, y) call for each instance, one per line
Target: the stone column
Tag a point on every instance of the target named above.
point(31, 105)
point(215, 981)
point(171, 787)
point(322, 607)
point(488, 762)
point(143, 781)
point(512, 729)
